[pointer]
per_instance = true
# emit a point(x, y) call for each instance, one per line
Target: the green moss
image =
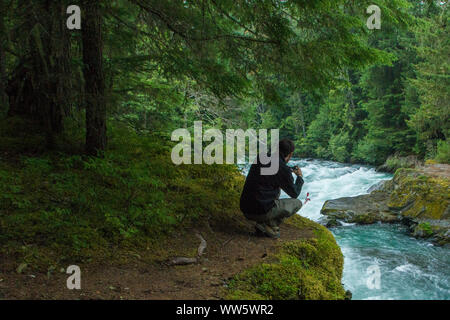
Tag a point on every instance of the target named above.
point(394, 163)
point(443, 152)
point(307, 269)
point(245, 295)
point(424, 230)
point(56, 206)
point(365, 219)
point(418, 195)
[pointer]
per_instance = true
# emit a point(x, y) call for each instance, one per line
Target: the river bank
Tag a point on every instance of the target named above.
point(418, 198)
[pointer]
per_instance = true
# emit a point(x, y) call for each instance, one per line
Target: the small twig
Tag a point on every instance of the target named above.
point(202, 246)
point(182, 261)
point(226, 242)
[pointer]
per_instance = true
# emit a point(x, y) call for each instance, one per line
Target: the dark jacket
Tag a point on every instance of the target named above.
point(261, 191)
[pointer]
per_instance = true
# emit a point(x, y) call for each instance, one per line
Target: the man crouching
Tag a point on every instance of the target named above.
point(260, 198)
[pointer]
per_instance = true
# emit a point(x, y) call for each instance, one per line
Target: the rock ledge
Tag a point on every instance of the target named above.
point(417, 197)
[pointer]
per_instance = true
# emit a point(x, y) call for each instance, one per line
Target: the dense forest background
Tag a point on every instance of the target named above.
point(314, 70)
point(86, 115)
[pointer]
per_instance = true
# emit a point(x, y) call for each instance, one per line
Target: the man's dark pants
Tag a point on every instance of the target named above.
point(283, 209)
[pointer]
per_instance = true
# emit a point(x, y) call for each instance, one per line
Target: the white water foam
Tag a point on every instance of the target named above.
point(326, 180)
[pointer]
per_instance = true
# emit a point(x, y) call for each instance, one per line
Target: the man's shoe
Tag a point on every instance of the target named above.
point(267, 230)
point(259, 233)
point(274, 225)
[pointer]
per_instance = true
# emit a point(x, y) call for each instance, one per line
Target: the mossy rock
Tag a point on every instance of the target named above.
point(423, 230)
point(332, 223)
point(424, 199)
point(305, 269)
point(419, 196)
point(362, 209)
point(365, 219)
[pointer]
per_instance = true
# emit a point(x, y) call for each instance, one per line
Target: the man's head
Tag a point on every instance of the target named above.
point(286, 149)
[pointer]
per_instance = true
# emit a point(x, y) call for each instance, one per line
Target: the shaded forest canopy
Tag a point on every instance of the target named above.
point(311, 68)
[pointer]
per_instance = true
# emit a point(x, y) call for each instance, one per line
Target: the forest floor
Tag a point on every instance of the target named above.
point(230, 250)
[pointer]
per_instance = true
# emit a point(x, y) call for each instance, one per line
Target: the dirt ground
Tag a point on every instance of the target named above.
point(229, 251)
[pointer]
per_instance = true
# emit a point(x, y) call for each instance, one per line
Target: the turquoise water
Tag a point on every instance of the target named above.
point(408, 268)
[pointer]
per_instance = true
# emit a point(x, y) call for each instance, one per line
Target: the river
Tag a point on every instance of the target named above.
point(408, 268)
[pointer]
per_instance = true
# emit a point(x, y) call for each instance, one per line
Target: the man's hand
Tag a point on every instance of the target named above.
point(297, 171)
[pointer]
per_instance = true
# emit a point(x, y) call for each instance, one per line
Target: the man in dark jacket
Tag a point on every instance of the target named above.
point(260, 198)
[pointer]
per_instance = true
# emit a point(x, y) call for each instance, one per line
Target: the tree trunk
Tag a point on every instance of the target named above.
point(61, 85)
point(94, 77)
point(3, 96)
point(40, 86)
point(302, 117)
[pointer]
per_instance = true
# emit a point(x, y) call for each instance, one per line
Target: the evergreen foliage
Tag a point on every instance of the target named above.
point(87, 115)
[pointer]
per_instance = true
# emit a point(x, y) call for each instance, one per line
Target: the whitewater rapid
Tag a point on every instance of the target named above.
point(408, 268)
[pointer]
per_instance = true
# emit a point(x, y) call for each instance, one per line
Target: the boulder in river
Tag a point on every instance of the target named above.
point(363, 209)
point(377, 186)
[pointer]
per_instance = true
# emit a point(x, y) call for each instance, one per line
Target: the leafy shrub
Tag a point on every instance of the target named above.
point(443, 151)
point(396, 162)
point(339, 145)
point(372, 151)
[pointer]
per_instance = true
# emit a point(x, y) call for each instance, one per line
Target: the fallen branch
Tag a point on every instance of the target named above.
point(202, 246)
point(182, 261)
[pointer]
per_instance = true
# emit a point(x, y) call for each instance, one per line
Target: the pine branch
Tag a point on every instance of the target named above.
point(186, 36)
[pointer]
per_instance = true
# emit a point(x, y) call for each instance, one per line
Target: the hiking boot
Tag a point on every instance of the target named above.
point(267, 230)
point(259, 233)
point(274, 225)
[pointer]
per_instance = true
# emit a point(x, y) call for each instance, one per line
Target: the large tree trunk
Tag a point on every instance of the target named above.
point(60, 85)
point(94, 77)
point(40, 87)
point(3, 96)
